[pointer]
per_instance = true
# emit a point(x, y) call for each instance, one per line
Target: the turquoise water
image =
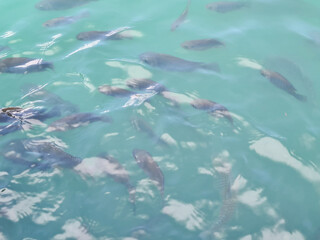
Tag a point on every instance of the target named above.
point(257, 178)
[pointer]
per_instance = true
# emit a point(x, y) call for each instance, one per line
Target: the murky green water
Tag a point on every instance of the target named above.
point(255, 178)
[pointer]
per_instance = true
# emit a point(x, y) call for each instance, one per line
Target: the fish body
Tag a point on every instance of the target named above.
point(60, 21)
point(213, 108)
point(76, 120)
point(281, 82)
point(224, 6)
point(145, 84)
point(150, 167)
point(38, 153)
point(181, 18)
point(4, 48)
point(49, 5)
point(202, 44)
point(100, 35)
point(23, 65)
point(115, 91)
point(171, 63)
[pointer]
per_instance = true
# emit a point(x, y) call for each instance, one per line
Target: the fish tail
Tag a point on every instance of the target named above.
point(211, 67)
point(300, 97)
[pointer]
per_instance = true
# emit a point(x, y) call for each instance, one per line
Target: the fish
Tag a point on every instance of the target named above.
point(213, 108)
point(4, 48)
point(281, 82)
point(24, 65)
point(145, 84)
point(103, 35)
point(38, 153)
point(57, 105)
point(61, 21)
point(49, 5)
point(76, 120)
point(150, 167)
point(202, 44)
point(181, 18)
point(171, 63)
point(224, 6)
point(115, 91)
point(142, 126)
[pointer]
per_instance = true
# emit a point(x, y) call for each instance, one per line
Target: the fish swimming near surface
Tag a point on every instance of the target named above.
point(213, 108)
point(38, 153)
point(142, 126)
point(76, 120)
point(104, 35)
point(49, 5)
point(181, 18)
point(145, 84)
point(115, 91)
point(171, 63)
point(150, 167)
point(226, 6)
point(4, 48)
point(61, 21)
point(281, 82)
point(24, 65)
point(202, 44)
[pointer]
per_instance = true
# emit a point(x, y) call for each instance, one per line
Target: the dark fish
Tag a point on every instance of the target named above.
point(56, 104)
point(23, 65)
point(213, 108)
point(60, 4)
point(145, 84)
point(60, 21)
point(181, 19)
point(142, 126)
point(119, 174)
point(150, 167)
point(115, 91)
point(76, 120)
point(102, 35)
point(281, 82)
point(171, 63)
point(202, 44)
point(223, 7)
point(38, 153)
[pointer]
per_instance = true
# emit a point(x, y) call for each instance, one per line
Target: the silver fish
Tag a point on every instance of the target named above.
point(60, 21)
point(224, 6)
point(181, 19)
point(212, 108)
point(145, 84)
point(76, 120)
point(202, 44)
point(49, 5)
point(23, 65)
point(171, 63)
point(281, 82)
point(115, 91)
point(150, 167)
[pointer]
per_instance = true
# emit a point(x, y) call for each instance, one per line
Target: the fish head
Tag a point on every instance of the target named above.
point(138, 156)
point(211, 6)
point(48, 24)
point(149, 58)
point(265, 73)
point(46, 65)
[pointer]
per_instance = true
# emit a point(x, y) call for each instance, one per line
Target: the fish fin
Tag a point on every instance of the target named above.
point(300, 97)
point(211, 67)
